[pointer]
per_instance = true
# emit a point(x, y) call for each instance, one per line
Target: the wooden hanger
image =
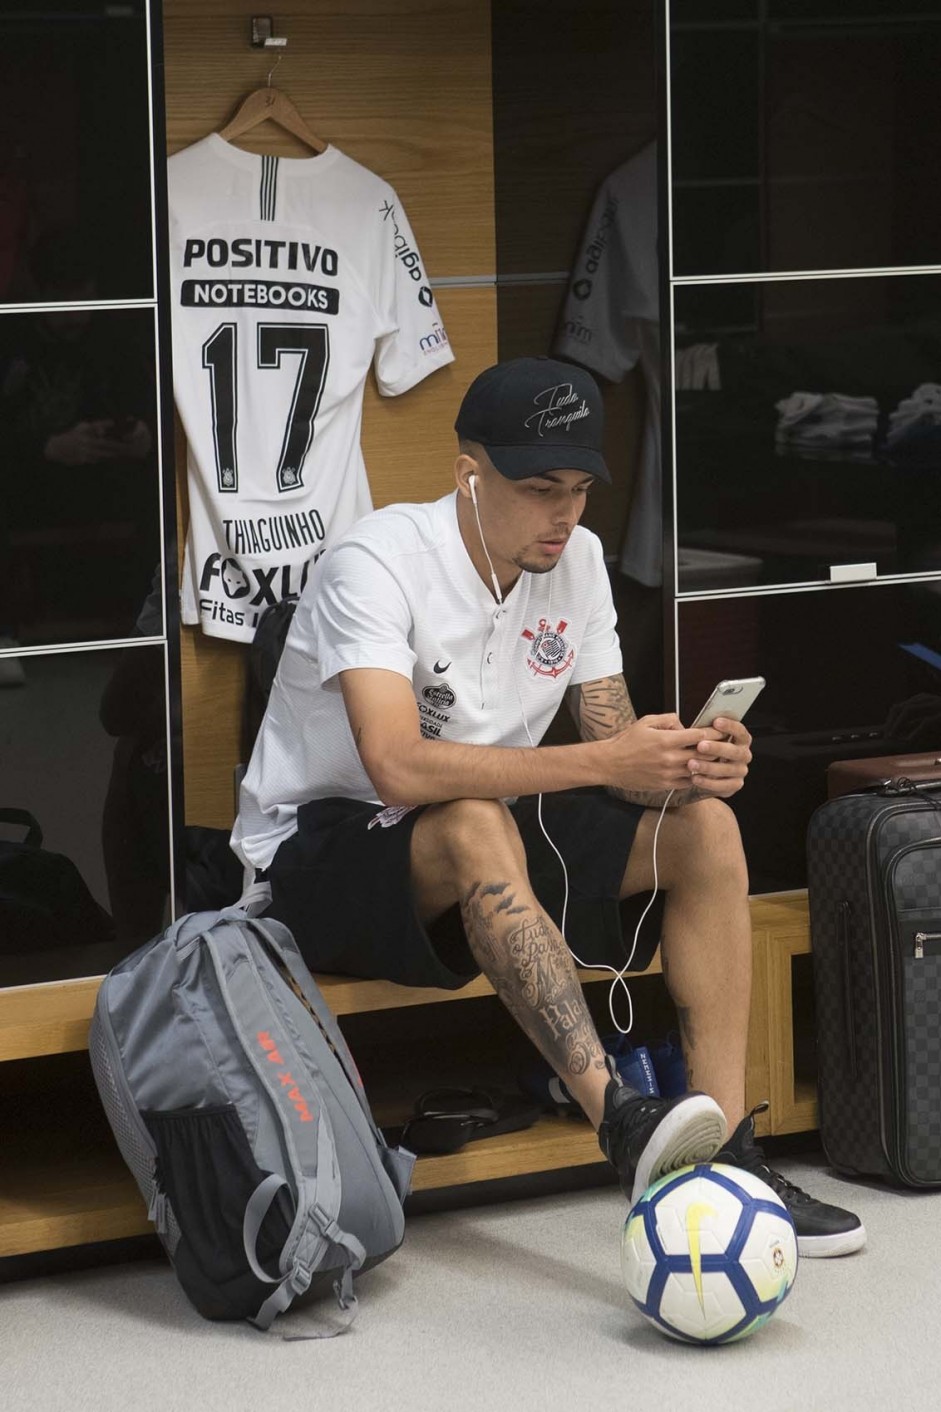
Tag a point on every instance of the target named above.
point(270, 105)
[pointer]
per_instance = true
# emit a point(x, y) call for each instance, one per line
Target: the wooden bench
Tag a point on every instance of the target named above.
point(63, 1180)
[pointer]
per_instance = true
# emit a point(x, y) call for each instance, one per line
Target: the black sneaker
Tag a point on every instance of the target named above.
point(644, 1137)
point(821, 1229)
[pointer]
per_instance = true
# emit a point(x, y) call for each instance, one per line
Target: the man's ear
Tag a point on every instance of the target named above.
point(464, 467)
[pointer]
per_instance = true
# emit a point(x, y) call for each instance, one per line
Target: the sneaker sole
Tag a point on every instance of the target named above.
point(691, 1132)
point(824, 1246)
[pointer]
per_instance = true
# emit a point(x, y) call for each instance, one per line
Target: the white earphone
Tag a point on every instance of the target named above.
point(472, 487)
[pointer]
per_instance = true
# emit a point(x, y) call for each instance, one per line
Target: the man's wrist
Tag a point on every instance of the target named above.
point(593, 762)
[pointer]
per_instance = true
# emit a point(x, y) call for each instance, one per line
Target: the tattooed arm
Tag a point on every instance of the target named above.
point(649, 759)
point(602, 709)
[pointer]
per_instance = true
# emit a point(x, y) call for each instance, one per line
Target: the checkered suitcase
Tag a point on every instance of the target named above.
point(874, 883)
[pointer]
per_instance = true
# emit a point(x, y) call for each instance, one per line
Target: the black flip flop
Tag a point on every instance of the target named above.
point(446, 1119)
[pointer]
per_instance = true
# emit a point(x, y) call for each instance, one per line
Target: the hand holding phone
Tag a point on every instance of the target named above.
point(731, 699)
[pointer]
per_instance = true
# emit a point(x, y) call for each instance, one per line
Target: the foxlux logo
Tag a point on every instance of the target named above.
point(559, 406)
point(285, 1079)
point(236, 583)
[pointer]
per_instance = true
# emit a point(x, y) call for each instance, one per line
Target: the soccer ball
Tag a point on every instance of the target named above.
point(709, 1253)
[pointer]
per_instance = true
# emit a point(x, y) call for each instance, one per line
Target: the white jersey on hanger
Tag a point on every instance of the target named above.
point(611, 320)
point(289, 277)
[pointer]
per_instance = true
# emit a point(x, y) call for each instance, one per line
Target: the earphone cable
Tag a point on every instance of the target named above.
point(618, 974)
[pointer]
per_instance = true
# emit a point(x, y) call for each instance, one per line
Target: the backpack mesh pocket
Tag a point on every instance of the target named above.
point(206, 1168)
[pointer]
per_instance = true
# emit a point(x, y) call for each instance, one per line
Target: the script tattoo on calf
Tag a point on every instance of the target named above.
point(531, 970)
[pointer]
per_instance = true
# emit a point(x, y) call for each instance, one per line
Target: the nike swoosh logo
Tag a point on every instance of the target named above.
point(439, 669)
point(695, 1211)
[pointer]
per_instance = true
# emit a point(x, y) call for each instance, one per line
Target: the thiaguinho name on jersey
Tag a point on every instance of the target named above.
point(274, 532)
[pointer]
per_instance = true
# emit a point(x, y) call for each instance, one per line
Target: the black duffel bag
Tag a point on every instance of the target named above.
point(44, 900)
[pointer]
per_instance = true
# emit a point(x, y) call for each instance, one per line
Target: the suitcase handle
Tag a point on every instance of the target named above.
point(849, 1018)
point(902, 785)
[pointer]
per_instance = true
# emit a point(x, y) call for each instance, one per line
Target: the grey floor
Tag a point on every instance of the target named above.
point(512, 1306)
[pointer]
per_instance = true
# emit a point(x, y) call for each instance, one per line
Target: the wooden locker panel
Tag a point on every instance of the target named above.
point(409, 442)
point(404, 90)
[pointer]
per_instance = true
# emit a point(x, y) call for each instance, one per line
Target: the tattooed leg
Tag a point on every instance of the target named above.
point(522, 953)
point(469, 852)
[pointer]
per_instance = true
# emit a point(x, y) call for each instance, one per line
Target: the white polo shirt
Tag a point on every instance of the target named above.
point(400, 592)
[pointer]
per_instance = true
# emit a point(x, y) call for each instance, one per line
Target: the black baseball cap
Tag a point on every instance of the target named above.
point(533, 415)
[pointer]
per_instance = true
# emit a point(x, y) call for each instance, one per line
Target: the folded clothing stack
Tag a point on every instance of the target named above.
point(915, 414)
point(658, 1070)
point(826, 426)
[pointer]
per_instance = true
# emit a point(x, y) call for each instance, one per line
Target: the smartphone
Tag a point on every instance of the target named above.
point(731, 698)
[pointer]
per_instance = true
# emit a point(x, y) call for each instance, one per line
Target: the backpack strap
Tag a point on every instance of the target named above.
point(255, 899)
point(259, 1204)
point(299, 1279)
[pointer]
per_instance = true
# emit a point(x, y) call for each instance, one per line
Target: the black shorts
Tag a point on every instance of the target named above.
point(343, 889)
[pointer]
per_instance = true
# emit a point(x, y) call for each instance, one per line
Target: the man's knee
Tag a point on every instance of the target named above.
point(713, 841)
point(458, 844)
point(473, 826)
point(467, 834)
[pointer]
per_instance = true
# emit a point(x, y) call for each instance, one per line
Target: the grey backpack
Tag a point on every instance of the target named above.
point(241, 1114)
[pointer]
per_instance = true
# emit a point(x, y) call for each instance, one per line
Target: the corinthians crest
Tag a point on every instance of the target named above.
point(550, 654)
